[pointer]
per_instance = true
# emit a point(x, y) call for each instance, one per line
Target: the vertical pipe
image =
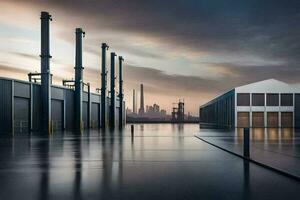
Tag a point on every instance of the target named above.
point(31, 108)
point(246, 143)
point(89, 106)
point(13, 107)
point(121, 92)
point(103, 86)
point(45, 73)
point(112, 91)
point(78, 80)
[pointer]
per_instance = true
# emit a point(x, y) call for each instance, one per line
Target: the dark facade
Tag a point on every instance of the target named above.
point(218, 113)
point(21, 111)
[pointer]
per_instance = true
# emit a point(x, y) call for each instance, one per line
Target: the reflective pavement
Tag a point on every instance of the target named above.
point(162, 161)
point(276, 147)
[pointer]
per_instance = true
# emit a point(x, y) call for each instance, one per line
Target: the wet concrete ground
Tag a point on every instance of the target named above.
point(279, 148)
point(163, 161)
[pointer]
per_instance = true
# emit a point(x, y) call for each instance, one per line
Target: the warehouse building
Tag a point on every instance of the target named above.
point(268, 103)
point(38, 105)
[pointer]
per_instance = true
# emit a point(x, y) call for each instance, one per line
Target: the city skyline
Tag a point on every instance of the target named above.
point(190, 51)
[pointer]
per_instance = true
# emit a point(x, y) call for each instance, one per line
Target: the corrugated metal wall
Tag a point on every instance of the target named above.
point(95, 115)
point(297, 111)
point(5, 106)
point(69, 110)
point(26, 112)
point(36, 107)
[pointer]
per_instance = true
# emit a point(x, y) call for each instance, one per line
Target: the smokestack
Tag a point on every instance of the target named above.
point(103, 86)
point(133, 101)
point(45, 73)
point(78, 80)
point(112, 90)
point(142, 110)
point(121, 91)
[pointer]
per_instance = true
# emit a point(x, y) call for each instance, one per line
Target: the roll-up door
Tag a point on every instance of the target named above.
point(21, 115)
point(95, 115)
point(286, 119)
point(57, 114)
point(257, 119)
point(272, 119)
point(85, 114)
point(243, 119)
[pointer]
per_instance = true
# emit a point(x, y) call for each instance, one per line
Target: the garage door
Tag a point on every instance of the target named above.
point(95, 115)
point(272, 119)
point(85, 114)
point(257, 119)
point(57, 114)
point(286, 119)
point(243, 119)
point(21, 115)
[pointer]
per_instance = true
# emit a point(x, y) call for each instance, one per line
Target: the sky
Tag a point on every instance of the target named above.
point(179, 49)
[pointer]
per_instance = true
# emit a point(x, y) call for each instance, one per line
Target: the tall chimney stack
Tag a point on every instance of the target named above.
point(142, 109)
point(121, 59)
point(133, 102)
point(45, 73)
point(112, 90)
point(78, 80)
point(103, 86)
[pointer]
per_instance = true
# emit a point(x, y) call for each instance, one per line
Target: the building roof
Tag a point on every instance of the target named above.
point(268, 86)
point(265, 86)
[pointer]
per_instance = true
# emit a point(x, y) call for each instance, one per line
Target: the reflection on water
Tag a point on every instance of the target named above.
point(162, 161)
point(269, 134)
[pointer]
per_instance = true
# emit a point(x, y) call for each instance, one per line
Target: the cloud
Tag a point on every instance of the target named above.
point(178, 48)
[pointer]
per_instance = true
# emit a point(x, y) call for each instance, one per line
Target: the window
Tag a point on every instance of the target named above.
point(286, 100)
point(243, 99)
point(272, 100)
point(258, 99)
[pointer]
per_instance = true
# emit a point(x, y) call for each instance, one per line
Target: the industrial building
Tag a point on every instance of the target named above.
point(178, 112)
point(268, 103)
point(37, 105)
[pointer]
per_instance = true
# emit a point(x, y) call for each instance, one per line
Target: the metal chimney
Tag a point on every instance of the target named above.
point(78, 80)
point(45, 73)
point(112, 90)
point(103, 86)
point(142, 109)
point(133, 102)
point(121, 59)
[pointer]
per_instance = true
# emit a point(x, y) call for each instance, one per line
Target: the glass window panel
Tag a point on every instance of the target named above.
point(243, 99)
point(258, 99)
point(286, 99)
point(272, 100)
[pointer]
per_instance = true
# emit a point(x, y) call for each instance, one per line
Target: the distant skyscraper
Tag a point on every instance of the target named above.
point(142, 109)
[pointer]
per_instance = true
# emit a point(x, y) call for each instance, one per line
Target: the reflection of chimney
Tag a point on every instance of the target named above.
point(45, 72)
point(142, 110)
point(78, 80)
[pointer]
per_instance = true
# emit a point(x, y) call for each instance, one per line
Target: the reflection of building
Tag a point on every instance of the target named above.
point(268, 103)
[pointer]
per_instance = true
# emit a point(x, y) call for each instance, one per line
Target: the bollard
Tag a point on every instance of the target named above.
point(132, 131)
point(246, 143)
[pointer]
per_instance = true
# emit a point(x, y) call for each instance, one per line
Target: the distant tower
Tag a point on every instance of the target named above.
point(133, 101)
point(142, 110)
